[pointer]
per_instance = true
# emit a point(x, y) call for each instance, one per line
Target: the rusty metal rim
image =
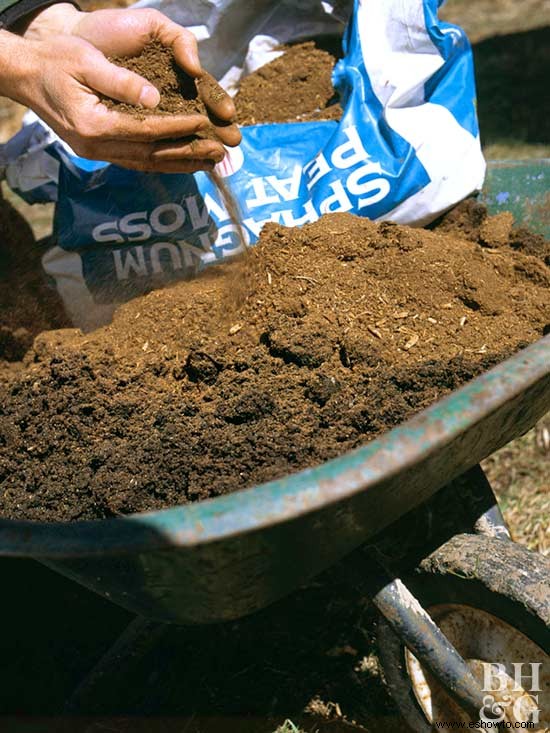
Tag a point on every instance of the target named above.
point(286, 499)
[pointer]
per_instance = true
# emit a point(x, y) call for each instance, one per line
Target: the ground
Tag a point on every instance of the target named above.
point(511, 47)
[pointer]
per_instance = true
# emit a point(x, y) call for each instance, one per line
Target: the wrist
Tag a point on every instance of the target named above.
point(15, 66)
point(56, 19)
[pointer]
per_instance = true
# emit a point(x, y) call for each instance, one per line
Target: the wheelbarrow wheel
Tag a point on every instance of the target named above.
point(491, 598)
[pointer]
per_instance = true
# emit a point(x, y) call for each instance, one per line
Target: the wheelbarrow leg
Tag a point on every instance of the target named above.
point(139, 637)
point(422, 636)
point(477, 495)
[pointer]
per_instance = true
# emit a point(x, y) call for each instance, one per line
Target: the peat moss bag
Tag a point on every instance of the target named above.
point(406, 149)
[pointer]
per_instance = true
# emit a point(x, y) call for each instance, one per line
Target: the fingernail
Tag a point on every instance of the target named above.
point(149, 97)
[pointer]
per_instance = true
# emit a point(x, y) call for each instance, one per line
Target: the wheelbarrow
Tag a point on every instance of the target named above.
point(462, 608)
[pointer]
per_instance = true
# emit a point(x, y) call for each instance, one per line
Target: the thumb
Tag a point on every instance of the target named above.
point(125, 86)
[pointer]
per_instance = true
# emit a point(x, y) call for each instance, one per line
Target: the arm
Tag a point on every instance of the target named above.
point(59, 64)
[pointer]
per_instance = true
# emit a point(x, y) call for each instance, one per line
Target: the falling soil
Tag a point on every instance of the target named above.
point(318, 341)
point(179, 94)
point(297, 86)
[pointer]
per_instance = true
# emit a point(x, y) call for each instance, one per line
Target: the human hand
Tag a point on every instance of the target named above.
point(69, 69)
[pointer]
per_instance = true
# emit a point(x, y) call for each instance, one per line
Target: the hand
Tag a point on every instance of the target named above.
point(67, 49)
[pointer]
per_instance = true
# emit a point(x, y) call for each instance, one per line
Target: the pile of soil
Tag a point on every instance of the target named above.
point(297, 86)
point(336, 332)
point(27, 305)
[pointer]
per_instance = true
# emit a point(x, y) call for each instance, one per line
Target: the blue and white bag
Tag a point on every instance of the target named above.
point(407, 149)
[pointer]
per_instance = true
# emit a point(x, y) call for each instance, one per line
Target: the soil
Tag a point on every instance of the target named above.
point(297, 86)
point(180, 94)
point(178, 90)
point(27, 305)
point(319, 340)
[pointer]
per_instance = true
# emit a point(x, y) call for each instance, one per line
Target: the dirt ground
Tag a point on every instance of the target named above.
point(315, 650)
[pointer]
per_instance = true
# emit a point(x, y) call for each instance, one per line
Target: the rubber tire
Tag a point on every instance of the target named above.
point(494, 575)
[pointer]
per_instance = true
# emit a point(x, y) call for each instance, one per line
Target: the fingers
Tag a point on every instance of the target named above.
point(118, 32)
point(194, 149)
point(121, 84)
point(184, 47)
point(221, 109)
point(229, 135)
point(182, 42)
point(150, 128)
point(168, 166)
point(216, 99)
point(173, 157)
point(126, 32)
point(190, 150)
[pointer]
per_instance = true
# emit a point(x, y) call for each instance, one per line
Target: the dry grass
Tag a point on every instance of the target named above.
point(11, 115)
point(520, 476)
point(487, 18)
point(512, 149)
point(288, 727)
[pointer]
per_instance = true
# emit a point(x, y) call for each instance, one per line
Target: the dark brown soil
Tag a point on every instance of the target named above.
point(341, 330)
point(27, 305)
point(297, 86)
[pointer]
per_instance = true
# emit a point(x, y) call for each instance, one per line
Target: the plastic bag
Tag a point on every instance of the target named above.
point(406, 149)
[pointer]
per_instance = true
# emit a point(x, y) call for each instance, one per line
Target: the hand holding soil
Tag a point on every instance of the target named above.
point(60, 70)
point(181, 94)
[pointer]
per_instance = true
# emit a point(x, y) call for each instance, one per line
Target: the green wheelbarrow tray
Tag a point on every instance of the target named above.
point(224, 558)
point(522, 187)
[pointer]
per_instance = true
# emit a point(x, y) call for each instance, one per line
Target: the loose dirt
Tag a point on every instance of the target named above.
point(180, 94)
point(321, 339)
point(27, 305)
point(178, 91)
point(297, 86)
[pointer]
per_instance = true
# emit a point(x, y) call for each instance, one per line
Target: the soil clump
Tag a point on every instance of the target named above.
point(340, 330)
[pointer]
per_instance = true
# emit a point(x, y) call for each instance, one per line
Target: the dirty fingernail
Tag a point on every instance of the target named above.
point(149, 97)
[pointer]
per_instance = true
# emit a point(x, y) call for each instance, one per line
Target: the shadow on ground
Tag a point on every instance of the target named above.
point(248, 675)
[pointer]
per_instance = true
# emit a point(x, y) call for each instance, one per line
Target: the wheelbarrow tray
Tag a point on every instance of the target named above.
point(226, 557)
